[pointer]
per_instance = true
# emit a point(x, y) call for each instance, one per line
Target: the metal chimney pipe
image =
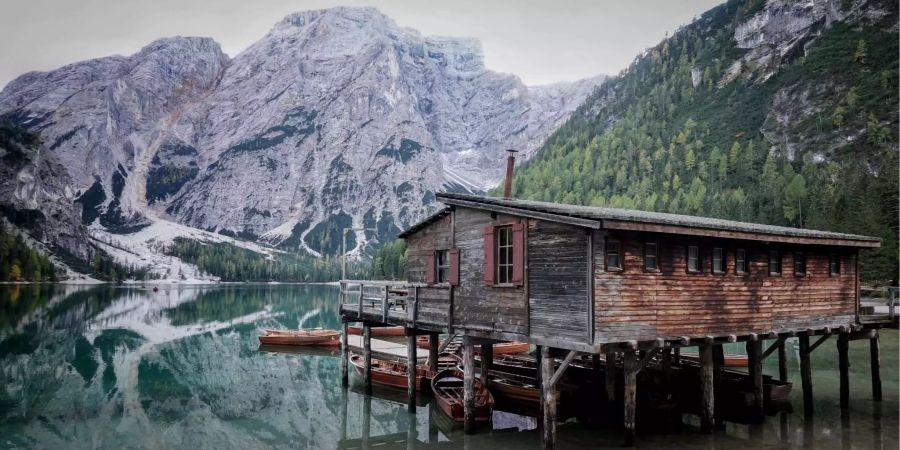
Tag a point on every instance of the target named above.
point(510, 166)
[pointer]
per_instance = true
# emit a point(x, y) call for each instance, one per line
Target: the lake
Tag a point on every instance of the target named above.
point(126, 367)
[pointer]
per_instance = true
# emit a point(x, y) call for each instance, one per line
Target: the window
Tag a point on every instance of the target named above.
point(718, 260)
point(613, 255)
point(651, 256)
point(504, 255)
point(740, 261)
point(693, 259)
point(442, 263)
point(799, 264)
point(774, 262)
point(834, 264)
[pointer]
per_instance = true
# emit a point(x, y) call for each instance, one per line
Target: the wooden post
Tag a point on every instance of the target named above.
point(782, 360)
point(344, 401)
point(595, 371)
point(754, 366)
point(843, 345)
point(629, 397)
point(806, 375)
point(411, 369)
point(538, 350)
point(707, 396)
point(548, 399)
point(433, 356)
point(667, 366)
point(718, 361)
point(367, 356)
point(469, 386)
point(676, 358)
point(875, 354)
point(611, 378)
point(345, 353)
point(487, 359)
point(366, 421)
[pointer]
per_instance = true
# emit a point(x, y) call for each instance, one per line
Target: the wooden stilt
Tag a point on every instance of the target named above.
point(875, 355)
point(843, 345)
point(754, 366)
point(433, 343)
point(611, 377)
point(629, 396)
point(676, 358)
point(487, 359)
point(432, 426)
point(345, 355)
point(806, 375)
point(707, 396)
point(344, 413)
point(366, 421)
point(782, 361)
point(412, 433)
point(411, 371)
point(367, 356)
point(548, 399)
point(537, 363)
point(667, 366)
point(718, 361)
point(595, 370)
point(469, 387)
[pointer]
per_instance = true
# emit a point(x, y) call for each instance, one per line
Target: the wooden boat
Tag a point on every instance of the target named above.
point(447, 386)
point(731, 360)
point(515, 387)
point(388, 373)
point(301, 337)
point(775, 390)
point(378, 331)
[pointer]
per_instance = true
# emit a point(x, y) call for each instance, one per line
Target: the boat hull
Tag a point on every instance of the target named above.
point(447, 387)
point(378, 331)
point(301, 337)
point(388, 373)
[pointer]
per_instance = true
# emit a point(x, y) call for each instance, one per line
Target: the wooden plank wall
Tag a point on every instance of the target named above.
point(633, 304)
point(423, 243)
point(558, 280)
point(434, 305)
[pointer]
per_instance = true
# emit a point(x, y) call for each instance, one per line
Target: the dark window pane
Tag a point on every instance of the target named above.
point(718, 260)
point(834, 264)
point(740, 261)
point(612, 255)
point(774, 262)
point(799, 264)
point(693, 258)
point(651, 251)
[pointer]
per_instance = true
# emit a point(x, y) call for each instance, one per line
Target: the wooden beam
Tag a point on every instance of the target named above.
point(367, 357)
point(782, 360)
point(754, 366)
point(775, 345)
point(548, 400)
point(345, 356)
point(593, 224)
point(433, 354)
point(806, 375)
point(818, 342)
point(562, 367)
point(487, 359)
point(411, 373)
point(630, 369)
point(469, 387)
point(707, 399)
point(447, 342)
point(875, 355)
point(611, 377)
point(646, 359)
point(843, 346)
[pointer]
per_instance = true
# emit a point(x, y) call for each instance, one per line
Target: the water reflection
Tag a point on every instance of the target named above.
point(115, 367)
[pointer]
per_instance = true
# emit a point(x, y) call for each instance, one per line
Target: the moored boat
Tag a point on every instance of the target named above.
point(731, 360)
point(301, 337)
point(447, 386)
point(378, 331)
point(388, 373)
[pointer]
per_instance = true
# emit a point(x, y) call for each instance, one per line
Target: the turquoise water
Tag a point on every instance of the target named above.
point(126, 367)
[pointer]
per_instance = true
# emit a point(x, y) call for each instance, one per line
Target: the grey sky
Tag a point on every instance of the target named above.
point(540, 41)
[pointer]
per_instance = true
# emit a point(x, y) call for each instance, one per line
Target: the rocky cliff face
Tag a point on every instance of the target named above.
point(335, 118)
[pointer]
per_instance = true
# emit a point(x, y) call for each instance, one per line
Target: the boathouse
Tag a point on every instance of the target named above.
point(624, 285)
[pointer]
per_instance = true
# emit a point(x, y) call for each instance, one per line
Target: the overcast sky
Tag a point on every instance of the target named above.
point(540, 41)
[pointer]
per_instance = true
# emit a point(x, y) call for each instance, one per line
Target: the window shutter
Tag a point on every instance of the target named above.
point(489, 255)
point(518, 238)
point(429, 268)
point(454, 267)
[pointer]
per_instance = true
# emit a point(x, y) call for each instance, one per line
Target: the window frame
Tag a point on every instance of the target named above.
point(687, 259)
point(655, 255)
point(744, 260)
point(503, 269)
point(834, 264)
point(613, 243)
point(722, 261)
point(800, 258)
point(778, 259)
point(439, 268)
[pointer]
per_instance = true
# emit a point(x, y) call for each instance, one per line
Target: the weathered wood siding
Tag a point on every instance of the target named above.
point(434, 305)
point(422, 244)
point(634, 304)
point(475, 305)
point(558, 269)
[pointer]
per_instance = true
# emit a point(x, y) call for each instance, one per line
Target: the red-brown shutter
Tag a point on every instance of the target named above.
point(454, 266)
point(489, 255)
point(518, 238)
point(429, 268)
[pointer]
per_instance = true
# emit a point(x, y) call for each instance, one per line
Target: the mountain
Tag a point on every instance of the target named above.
point(776, 111)
point(335, 118)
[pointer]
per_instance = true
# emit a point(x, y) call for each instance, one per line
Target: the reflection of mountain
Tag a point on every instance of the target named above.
point(120, 367)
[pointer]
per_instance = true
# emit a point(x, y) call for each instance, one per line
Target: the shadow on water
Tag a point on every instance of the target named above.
point(115, 367)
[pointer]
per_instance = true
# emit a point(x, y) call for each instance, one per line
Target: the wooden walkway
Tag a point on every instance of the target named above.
point(384, 349)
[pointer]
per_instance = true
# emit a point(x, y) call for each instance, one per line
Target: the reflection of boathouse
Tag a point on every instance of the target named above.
point(629, 286)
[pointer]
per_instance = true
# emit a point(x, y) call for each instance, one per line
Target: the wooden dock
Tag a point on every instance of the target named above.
point(382, 349)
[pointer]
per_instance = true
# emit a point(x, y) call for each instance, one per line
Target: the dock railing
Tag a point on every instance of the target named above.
point(397, 300)
point(878, 304)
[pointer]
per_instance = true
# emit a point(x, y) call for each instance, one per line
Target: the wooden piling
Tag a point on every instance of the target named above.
point(487, 359)
point(718, 362)
point(875, 355)
point(367, 356)
point(411, 371)
point(782, 360)
point(629, 396)
point(538, 349)
point(806, 375)
point(843, 345)
point(707, 396)
point(754, 367)
point(469, 387)
point(345, 354)
point(611, 377)
point(548, 399)
point(433, 343)
point(667, 366)
point(676, 357)
point(595, 370)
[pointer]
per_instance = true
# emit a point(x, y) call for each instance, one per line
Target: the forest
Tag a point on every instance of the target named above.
point(667, 134)
point(18, 262)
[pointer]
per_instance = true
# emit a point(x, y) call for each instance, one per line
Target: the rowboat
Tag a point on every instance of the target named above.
point(388, 373)
point(301, 337)
point(447, 386)
point(515, 387)
point(731, 360)
point(776, 390)
point(378, 331)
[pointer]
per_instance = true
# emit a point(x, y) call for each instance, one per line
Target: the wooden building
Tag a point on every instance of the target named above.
point(609, 281)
